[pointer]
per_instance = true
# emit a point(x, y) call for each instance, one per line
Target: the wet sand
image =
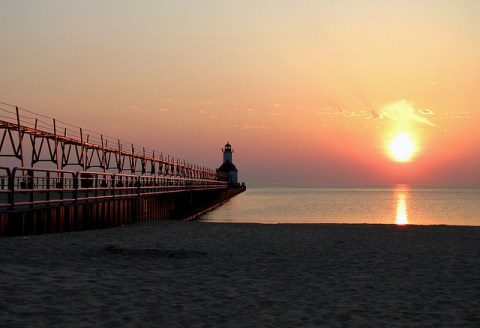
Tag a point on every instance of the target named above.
point(197, 274)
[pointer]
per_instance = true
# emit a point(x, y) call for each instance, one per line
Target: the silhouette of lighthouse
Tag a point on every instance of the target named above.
point(228, 169)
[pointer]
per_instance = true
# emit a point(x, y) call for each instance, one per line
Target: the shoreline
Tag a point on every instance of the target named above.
point(195, 274)
point(336, 223)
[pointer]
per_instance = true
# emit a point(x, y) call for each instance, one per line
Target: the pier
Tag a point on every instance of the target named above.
point(91, 181)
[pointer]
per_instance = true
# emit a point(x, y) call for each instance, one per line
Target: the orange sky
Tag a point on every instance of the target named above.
point(304, 93)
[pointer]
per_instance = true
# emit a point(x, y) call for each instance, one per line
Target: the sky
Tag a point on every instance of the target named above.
point(306, 92)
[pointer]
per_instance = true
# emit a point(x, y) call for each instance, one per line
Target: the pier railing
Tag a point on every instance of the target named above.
point(82, 165)
point(57, 177)
point(29, 139)
point(22, 188)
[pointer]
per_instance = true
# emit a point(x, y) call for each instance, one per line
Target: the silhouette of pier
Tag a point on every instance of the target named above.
point(78, 179)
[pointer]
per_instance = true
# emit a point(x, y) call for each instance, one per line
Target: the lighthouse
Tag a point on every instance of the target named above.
point(228, 169)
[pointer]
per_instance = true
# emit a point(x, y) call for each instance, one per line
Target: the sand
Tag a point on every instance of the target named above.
point(197, 274)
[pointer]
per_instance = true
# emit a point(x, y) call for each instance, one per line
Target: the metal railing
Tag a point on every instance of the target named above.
point(22, 188)
point(32, 139)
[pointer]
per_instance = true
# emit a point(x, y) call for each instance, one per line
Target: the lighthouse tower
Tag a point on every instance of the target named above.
point(228, 169)
point(227, 153)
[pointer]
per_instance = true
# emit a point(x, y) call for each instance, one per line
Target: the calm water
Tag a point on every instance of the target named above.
point(399, 204)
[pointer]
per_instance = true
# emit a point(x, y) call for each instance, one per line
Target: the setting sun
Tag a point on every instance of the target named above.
point(401, 147)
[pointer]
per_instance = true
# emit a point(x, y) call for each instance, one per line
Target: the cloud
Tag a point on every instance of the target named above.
point(404, 111)
point(425, 111)
point(147, 108)
point(335, 111)
point(278, 113)
point(350, 113)
point(397, 111)
point(461, 114)
point(375, 115)
point(328, 111)
point(253, 127)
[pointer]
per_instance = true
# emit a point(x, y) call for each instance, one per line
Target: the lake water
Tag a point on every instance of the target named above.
point(399, 204)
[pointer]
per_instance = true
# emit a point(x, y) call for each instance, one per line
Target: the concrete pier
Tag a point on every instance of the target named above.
point(106, 213)
point(108, 183)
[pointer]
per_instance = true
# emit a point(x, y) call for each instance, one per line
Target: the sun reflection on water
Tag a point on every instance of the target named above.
point(401, 194)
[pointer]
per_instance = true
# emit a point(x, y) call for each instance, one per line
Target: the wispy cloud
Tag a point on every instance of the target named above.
point(278, 113)
point(149, 108)
point(404, 111)
point(351, 113)
point(461, 114)
point(341, 111)
point(248, 126)
point(328, 111)
point(374, 115)
point(425, 111)
point(397, 111)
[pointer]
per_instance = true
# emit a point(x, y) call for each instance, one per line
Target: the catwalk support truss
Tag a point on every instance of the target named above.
point(29, 137)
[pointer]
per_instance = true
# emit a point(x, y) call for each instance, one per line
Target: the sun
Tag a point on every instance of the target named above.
point(402, 147)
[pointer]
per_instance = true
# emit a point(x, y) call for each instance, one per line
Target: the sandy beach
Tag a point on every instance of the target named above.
point(197, 274)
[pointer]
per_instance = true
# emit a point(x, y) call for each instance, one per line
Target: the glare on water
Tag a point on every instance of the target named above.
point(401, 193)
point(397, 204)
